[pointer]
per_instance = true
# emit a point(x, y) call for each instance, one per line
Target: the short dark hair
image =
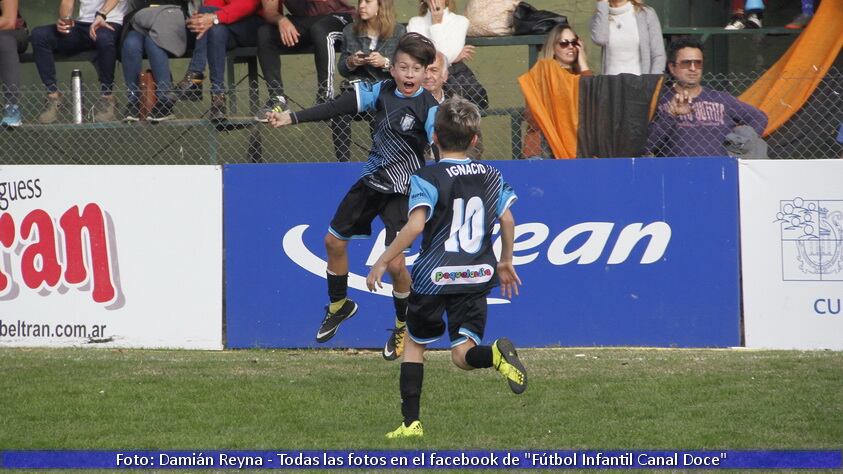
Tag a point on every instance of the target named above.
point(457, 122)
point(681, 43)
point(417, 47)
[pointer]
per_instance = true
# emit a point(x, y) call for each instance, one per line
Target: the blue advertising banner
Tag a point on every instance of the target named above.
point(622, 252)
point(443, 459)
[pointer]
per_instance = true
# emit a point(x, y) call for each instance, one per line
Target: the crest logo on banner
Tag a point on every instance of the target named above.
point(812, 239)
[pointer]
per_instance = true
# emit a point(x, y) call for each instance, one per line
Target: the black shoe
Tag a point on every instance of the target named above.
point(163, 110)
point(274, 104)
point(332, 320)
point(132, 112)
point(218, 108)
point(190, 87)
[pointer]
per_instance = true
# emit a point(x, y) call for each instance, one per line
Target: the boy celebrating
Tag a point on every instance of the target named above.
point(403, 125)
point(455, 202)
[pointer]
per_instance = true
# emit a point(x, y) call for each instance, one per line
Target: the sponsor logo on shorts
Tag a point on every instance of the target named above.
point(463, 275)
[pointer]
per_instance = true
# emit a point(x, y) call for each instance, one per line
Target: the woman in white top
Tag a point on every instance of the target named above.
point(447, 30)
point(631, 37)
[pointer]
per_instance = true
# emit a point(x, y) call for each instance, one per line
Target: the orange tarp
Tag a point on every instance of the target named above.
point(558, 118)
point(785, 87)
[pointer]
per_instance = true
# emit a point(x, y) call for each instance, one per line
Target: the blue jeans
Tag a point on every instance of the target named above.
point(46, 40)
point(211, 48)
point(159, 61)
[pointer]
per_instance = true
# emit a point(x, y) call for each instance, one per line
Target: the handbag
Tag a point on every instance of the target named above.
point(527, 20)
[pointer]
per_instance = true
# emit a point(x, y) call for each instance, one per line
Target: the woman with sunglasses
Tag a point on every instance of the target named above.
point(631, 37)
point(565, 47)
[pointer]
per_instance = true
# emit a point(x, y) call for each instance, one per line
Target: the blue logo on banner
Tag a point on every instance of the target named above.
point(812, 239)
point(611, 252)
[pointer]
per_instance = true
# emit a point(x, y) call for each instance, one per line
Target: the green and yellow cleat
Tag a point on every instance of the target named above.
point(505, 360)
point(415, 430)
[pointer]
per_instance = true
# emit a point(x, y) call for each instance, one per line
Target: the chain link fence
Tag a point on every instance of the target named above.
point(191, 138)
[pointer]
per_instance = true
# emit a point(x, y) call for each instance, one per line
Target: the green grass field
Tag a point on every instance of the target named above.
point(322, 399)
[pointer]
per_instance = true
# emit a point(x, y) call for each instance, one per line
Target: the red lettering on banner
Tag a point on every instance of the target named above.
point(39, 263)
point(7, 238)
point(85, 244)
point(91, 220)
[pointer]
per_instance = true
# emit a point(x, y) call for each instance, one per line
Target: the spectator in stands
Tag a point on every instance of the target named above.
point(309, 23)
point(631, 37)
point(447, 30)
point(219, 25)
point(167, 21)
point(692, 120)
point(804, 18)
point(13, 39)
point(746, 14)
point(368, 43)
point(97, 27)
point(565, 47)
point(435, 77)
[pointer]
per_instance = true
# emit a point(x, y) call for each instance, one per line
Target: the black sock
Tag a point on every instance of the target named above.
point(337, 287)
point(479, 357)
point(410, 381)
point(400, 307)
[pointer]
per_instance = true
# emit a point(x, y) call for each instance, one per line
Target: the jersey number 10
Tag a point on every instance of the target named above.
point(467, 226)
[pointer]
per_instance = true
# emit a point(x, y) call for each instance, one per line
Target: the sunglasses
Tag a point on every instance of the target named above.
point(572, 43)
point(686, 63)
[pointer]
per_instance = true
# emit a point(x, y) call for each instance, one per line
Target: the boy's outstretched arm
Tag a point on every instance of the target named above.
point(345, 104)
point(506, 272)
point(405, 238)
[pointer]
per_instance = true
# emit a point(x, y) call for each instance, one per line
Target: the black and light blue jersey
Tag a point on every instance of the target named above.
point(463, 198)
point(401, 128)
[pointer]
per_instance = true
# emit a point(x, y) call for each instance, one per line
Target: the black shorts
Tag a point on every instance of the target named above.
point(354, 216)
point(466, 317)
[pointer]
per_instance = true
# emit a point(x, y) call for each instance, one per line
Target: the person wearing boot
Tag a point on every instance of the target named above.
point(219, 25)
point(97, 27)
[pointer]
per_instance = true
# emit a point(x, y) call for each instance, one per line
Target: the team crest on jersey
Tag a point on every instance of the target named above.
point(407, 122)
point(461, 275)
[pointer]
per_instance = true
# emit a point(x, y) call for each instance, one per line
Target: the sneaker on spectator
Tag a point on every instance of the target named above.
point(753, 21)
point(161, 111)
point(132, 112)
point(190, 86)
point(105, 109)
point(274, 104)
point(736, 23)
point(52, 109)
point(11, 116)
point(218, 108)
point(799, 22)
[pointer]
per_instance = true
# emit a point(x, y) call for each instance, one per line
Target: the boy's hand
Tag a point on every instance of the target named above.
point(508, 278)
point(279, 119)
point(375, 275)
